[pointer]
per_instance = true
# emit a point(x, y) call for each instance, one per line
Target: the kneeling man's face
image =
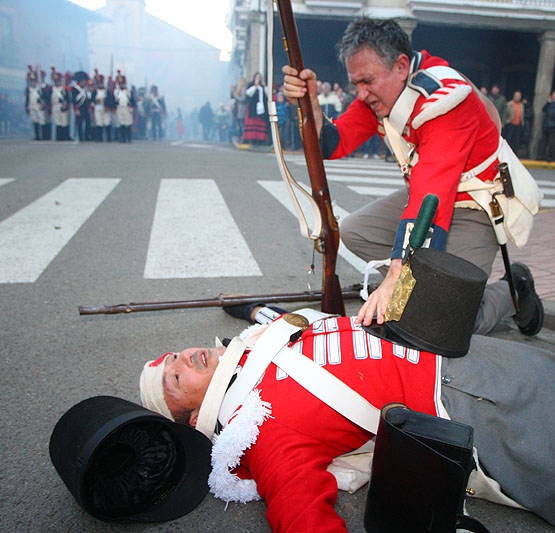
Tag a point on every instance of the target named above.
point(186, 378)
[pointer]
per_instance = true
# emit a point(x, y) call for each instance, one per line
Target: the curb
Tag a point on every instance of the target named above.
point(253, 148)
point(549, 319)
point(530, 163)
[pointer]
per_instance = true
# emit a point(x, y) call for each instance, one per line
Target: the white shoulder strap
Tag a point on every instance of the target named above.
point(402, 109)
point(328, 388)
point(273, 339)
point(272, 347)
point(210, 408)
point(395, 123)
point(398, 145)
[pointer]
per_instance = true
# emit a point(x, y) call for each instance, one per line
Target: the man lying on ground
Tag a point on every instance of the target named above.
point(279, 443)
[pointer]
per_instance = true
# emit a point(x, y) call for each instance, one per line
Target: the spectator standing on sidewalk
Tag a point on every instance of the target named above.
point(282, 117)
point(514, 121)
point(256, 117)
point(547, 146)
point(223, 123)
point(206, 119)
point(329, 101)
point(239, 97)
point(499, 101)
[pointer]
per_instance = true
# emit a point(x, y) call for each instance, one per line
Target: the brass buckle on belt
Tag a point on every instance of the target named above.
point(296, 320)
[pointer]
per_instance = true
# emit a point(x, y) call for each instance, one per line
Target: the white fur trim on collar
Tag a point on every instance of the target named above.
point(230, 445)
point(250, 335)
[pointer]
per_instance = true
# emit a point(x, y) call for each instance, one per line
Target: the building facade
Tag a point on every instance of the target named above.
point(509, 42)
point(119, 36)
point(43, 34)
point(150, 51)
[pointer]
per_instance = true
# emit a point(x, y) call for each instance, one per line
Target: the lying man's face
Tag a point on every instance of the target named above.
point(186, 378)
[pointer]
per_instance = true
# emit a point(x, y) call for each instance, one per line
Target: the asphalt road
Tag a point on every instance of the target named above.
point(52, 357)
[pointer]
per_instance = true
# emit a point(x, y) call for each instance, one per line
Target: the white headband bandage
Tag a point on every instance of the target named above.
point(152, 388)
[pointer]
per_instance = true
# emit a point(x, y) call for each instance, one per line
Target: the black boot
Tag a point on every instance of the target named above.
point(37, 131)
point(529, 318)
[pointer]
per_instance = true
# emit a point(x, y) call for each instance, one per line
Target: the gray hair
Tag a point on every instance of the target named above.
point(386, 37)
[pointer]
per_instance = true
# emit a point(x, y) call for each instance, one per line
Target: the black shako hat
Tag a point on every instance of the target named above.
point(124, 463)
point(434, 304)
point(80, 75)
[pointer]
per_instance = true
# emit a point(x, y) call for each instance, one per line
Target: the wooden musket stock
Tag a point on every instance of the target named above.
point(328, 244)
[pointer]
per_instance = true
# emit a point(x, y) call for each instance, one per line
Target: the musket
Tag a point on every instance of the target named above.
point(222, 300)
point(331, 296)
point(328, 242)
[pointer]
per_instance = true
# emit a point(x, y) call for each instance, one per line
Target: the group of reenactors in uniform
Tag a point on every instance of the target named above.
point(99, 107)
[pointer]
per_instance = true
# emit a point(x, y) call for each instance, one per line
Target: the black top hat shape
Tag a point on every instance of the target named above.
point(80, 75)
point(124, 463)
point(437, 314)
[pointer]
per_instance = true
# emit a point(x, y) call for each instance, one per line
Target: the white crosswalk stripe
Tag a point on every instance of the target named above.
point(278, 191)
point(5, 181)
point(372, 191)
point(31, 238)
point(548, 189)
point(194, 234)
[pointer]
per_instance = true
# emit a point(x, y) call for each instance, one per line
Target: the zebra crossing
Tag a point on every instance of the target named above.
point(31, 238)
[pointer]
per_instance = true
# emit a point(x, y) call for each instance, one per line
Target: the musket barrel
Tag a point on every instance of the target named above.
point(221, 301)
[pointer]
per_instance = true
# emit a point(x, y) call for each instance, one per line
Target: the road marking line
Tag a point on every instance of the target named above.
point(364, 175)
point(5, 181)
point(278, 191)
point(31, 238)
point(371, 191)
point(194, 234)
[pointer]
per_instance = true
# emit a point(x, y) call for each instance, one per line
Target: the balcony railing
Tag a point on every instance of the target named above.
point(548, 4)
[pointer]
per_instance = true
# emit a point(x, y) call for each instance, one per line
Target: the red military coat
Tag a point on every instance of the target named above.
point(293, 436)
point(452, 132)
